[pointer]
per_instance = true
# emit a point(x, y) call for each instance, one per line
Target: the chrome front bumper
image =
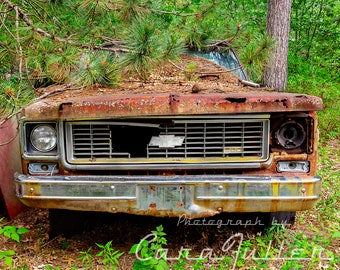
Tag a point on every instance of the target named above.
point(193, 196)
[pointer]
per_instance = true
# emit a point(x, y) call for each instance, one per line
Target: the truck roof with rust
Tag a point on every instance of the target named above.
point(171, 89)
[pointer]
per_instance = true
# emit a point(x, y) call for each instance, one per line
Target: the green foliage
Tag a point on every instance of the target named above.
point(148, 47)
point(154, 31)
point(190, 70)
point(181, 263)
point(64, 245)
point(314, 58)
point(131, 10)
point(49, 267)
point(144, 48)
point(96, 68)
point(173, 46)
point(289, 249)
point(315, 32)
point(309, 78)
point(86, 258)
point(255, 56)
point(199, 263)
point(110, 255)
point(60, 64)
point(196, 37)
point(327, 209)
point(13, 233)
point(7, 256)
point(14, 94)
point(151, 254)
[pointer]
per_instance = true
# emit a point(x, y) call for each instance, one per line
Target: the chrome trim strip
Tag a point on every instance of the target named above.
point(167, 166)
point(160, 179)
point(199, 198)
point(200, 181)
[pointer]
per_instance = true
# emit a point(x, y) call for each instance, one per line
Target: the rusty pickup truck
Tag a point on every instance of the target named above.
point(194, 142)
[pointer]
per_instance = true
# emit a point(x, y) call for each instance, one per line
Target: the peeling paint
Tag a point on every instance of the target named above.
point(111, 106)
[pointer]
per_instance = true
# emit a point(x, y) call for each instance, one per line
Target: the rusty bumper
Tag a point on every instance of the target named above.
point(193, 196)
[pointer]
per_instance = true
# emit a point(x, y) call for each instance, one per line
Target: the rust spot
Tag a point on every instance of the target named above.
point(153, 188)
point(283, 101)
point(179, 204)
point(62, 106)
point(152, 205)
point(236, 100)
point(173, 98)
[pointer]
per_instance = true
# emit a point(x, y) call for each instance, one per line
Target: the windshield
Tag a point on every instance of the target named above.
point(227, 59)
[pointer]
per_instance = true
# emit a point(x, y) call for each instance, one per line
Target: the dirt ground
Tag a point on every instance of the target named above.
point(38, 250)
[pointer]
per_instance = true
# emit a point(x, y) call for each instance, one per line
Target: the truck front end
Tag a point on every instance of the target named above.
point(171, 154)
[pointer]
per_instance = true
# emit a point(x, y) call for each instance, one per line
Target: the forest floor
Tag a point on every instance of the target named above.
point(38, 250)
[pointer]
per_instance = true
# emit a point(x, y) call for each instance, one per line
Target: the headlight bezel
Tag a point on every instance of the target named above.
point(302, 124)
point(29, 150)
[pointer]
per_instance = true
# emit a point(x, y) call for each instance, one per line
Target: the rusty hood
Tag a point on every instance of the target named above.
point(110, 103)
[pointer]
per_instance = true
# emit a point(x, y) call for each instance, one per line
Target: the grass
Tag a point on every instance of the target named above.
point(315, 79)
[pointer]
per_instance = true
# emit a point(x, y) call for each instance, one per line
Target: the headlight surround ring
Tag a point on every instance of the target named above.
point(43, 138)
point(290, 135)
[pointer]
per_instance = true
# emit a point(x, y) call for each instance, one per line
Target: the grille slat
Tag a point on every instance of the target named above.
point(98, 142)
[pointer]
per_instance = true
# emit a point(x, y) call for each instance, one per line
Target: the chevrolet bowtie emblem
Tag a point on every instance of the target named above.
point(166, 141)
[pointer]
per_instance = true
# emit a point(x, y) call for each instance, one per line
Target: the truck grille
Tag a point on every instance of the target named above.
point(143, 140)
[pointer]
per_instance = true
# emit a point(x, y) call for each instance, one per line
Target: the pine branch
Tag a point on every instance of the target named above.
point(196, 14)
point(14, 113)
point(175, 13)
point(44, 33)
point(26, 19)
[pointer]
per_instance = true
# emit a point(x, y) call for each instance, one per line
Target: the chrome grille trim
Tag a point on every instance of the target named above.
point(234, 140)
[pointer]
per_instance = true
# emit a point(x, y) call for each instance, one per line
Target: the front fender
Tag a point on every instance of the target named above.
point(10, 162)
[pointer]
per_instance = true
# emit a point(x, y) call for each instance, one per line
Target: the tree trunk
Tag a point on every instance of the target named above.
point(278, 25)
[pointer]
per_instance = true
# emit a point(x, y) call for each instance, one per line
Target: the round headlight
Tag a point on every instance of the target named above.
point(290, 135)
point(44, 138)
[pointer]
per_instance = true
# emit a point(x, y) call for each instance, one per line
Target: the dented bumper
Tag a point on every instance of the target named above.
point(194, 196)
